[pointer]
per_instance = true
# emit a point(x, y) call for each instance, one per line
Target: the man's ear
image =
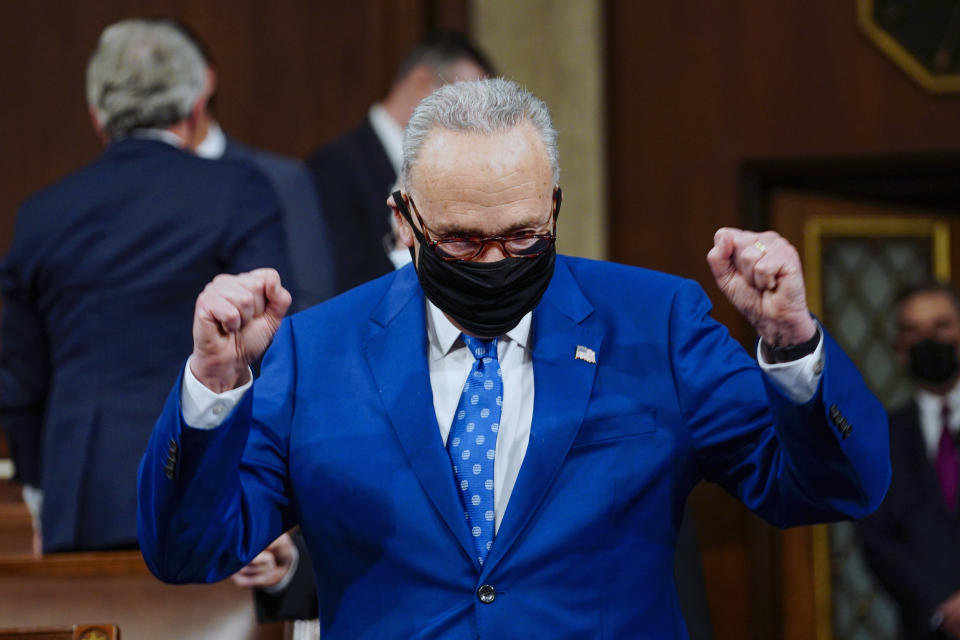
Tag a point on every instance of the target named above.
point(425, 78)
point(197, 122)
point(98, 129)
point(400, 225)
point(198, 113)
point(198, 108)
point(210, 82)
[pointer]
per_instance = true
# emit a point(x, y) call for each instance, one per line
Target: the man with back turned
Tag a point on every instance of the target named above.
point(102, 275)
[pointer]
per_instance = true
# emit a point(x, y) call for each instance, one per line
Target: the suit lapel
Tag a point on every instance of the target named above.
point(562, 388)
point(912, 452)
point(397, 354)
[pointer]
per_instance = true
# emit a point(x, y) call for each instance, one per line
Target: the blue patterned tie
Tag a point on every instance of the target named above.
point(472, 442)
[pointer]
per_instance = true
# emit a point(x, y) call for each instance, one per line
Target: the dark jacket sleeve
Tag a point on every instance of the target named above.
point(910, 541)
point(298, 601)
point(346, 179)
point(254, 226)
point(895, 565)
point(24, 372)
point(308, 245)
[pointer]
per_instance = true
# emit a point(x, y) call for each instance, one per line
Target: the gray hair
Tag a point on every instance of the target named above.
point(143, 74)
point(478, 106)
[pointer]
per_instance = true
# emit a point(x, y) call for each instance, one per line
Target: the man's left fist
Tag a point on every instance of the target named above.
point(760, 274)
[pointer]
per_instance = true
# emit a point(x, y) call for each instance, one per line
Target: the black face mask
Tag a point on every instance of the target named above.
point(933, 361)
point(487, 299)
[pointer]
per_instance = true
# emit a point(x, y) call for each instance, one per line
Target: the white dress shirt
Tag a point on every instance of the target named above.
point(162, 135)
point(389, 133)
point(450, 361)
point(214, 143)
point(930, 406)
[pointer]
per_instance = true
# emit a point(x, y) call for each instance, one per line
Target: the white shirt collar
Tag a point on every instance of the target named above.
point(158, 134)
point(442, 335)
point(930, 406)
point(390, 134)
point(214, 143)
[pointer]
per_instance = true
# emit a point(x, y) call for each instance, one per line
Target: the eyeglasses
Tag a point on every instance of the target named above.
point(454, 247)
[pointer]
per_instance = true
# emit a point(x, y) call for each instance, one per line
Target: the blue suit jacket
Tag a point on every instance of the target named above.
point(98, 291)
point(309, 254)
point(340, 435)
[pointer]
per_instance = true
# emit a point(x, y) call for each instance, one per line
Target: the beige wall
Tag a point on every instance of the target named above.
point(555, 50)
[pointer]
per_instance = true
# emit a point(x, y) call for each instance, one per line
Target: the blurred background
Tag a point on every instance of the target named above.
point(834, 122)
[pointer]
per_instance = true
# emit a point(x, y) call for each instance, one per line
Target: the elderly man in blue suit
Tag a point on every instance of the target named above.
point(106, 264)
point(498, 442)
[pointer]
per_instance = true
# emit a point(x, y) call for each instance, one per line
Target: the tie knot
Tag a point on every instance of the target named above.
point(481, 347)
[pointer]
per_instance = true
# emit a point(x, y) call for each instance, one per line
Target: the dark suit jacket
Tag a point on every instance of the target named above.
point(339, 434)
point(353, 177)
point(912, 542)
point(311, 278)
point(98, 291)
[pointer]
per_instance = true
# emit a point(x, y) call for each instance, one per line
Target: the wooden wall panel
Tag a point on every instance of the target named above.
point(292, 75)
point(694, 89)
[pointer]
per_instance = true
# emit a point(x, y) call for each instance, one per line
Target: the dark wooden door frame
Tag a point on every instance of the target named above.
point(930, 180)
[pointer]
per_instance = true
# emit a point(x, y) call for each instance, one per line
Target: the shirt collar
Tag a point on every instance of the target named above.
point(930, 406)
point(390, 134)
point(933, 403)
point(158, 134)
point(443, 336)
point(214, 143)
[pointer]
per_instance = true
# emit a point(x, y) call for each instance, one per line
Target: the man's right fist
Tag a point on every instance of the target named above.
point(233, 323)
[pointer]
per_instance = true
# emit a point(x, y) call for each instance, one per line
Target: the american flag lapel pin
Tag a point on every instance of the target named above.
point(586, 354)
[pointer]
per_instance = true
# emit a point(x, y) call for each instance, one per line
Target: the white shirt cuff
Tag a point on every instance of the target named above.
point(203, 408)
point(288, 576)
point(33, 498)
point(798, 379)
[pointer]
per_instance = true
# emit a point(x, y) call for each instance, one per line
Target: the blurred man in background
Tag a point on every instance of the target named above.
point(354, 173)
point(913, 540)
point(107, 263)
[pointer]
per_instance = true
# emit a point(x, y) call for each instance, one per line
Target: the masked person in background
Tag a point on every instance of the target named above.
point(912, 542)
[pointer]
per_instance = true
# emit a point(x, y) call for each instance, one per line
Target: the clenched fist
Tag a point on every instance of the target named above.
point(233, 323)
point(760, 274)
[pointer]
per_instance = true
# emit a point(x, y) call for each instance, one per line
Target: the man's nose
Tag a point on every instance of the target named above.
point(491, 252)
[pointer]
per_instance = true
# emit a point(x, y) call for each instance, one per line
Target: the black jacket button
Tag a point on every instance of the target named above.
point(487, 594)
